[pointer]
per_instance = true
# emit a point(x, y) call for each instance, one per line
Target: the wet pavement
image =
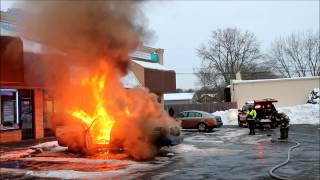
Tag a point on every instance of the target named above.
point(226, 153)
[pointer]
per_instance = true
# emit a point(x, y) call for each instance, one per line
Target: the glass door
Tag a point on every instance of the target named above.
point(26, 114)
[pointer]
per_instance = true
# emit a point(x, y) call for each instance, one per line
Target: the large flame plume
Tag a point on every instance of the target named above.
point(101, 122)
point(97, 36)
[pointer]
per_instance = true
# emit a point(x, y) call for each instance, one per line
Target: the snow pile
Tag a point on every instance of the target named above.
point(51, 146)
point(302, 114)
point(228, 117)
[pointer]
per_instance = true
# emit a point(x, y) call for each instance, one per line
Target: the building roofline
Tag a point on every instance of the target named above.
point(273, 80)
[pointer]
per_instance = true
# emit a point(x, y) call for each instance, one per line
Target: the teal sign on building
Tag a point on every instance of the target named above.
point(154, 57)
point(147, 56)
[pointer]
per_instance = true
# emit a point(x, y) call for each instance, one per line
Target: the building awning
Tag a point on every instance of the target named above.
point(154, 76)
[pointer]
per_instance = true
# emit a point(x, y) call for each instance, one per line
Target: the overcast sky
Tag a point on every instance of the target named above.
point(182, 26)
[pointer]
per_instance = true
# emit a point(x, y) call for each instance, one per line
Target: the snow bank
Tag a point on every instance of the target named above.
point(299, 114)
point(302, 114)
point(228, 117)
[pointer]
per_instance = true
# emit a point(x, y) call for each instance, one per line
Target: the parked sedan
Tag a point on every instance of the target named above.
point(198, 120)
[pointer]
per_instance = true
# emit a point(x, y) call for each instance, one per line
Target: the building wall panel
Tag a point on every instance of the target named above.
point(38, 114)
point(288, 92)
point(10, 136)
point(11, 60)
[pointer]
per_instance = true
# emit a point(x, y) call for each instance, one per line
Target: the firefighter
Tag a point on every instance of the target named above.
point(284, 126)
point(251, 120)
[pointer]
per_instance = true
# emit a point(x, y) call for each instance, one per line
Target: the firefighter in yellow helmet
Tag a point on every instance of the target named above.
point(251, 119)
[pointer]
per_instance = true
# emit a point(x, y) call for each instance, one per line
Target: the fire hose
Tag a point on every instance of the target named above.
point(271, 171)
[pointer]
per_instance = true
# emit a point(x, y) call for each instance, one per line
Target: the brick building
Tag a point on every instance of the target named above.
point(147, 66)
point(21, 104)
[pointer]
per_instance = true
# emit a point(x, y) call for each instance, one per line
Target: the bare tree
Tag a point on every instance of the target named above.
point(296, 55)
point(257, 71)
point(208, 77)
point(312, 54)
point(226, 53)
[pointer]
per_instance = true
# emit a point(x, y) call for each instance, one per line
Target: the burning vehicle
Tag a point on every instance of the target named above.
point(130, 120)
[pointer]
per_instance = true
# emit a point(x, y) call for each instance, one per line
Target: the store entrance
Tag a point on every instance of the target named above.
point(26, 114)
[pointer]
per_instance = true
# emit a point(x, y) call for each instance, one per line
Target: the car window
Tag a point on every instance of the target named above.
point(192, 114)
point(205, 114)
point(198, 114)
point(182, 115)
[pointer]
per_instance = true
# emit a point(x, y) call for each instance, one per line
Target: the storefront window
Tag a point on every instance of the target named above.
point(9, 118)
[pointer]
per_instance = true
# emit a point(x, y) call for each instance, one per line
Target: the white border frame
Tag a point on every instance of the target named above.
point(17, 102)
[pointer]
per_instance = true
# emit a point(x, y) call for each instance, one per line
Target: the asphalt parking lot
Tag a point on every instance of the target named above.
point(226, 153)
point(229, 153)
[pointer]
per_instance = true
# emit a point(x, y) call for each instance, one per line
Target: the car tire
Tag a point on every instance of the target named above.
point(202, 127)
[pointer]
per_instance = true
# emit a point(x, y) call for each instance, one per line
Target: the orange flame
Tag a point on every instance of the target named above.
point(100, 122)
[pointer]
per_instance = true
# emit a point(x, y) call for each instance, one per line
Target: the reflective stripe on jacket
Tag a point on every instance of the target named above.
point(252, 114)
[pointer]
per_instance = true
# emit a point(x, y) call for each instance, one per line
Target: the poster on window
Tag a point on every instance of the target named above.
point(8, 111)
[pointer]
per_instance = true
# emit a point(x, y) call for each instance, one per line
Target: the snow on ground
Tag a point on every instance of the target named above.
point(302, 114)
point(129, 167)
point(15, 154)
point(226, 135)
point(299, 114)
point(195, 151)
point(51, 146)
